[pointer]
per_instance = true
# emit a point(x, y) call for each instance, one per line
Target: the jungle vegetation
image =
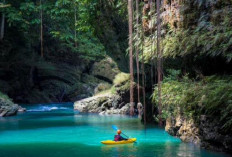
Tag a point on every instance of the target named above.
point(183, 57)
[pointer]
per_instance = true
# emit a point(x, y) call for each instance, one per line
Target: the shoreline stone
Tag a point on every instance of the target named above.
point(7, 107)
point(21, 109)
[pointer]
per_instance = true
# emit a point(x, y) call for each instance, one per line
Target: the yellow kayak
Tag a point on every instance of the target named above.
point(110, 142)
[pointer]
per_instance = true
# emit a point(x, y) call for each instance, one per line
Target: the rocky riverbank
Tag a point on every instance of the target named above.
point(112, 101)
point(207, 133)
point(102, 104)
point(7, 107)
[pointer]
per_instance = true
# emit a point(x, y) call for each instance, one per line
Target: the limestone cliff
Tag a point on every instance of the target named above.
point(207, 133)
point(191, 27)
point(198, 34)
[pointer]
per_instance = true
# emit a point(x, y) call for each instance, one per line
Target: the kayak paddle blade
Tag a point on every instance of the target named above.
point(115, 127)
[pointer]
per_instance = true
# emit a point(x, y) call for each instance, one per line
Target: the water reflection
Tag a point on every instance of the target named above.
point(119, 150)
point(158, 150)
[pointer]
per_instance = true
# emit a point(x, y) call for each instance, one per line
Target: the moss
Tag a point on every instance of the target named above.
point(102, 87)
point(121, 78)
point(4, 96)
point(103, 92)
point(106, 68)
point(121, 83)
point(5, 100)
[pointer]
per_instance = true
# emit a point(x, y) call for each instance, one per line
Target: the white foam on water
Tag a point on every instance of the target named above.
point(47, 108)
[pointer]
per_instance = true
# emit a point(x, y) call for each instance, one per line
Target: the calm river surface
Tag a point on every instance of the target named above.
point(56, 130)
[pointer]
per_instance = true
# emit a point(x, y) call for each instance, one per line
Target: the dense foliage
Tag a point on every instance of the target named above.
point(59, 25)
point(197, 35)
point(76, 33)
point(212, 96)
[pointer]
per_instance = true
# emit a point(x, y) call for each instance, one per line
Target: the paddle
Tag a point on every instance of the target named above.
point(116, 128)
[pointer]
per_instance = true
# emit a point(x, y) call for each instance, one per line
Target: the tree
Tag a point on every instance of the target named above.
point(159, 63)
point(130, 17)
point(152, 59)
point(2, 26)
point(75, 23)
point(2, 21)
point(143, 73)
point(41, 29)
point(137, 47)
point(143, 81)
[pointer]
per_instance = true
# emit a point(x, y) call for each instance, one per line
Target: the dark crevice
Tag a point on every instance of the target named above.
point(103, 78)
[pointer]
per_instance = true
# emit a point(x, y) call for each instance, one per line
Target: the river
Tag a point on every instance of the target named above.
point(56, 130)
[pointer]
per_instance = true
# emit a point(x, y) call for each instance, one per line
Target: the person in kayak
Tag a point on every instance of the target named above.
point(118, 137)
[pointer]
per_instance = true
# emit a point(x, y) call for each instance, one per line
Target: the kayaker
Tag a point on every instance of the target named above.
point(118, 137)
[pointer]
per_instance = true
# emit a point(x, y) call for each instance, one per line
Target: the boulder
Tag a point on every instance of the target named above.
point(105, 69)
point(125, 109)
point(21, 109)
point(110, 99)
point(102, 87)
point(94, 104)
point(10, 111)
point(7, 107)
point(103, 104)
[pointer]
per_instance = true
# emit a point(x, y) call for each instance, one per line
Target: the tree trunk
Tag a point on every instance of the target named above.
point(75, 18)
point(137, 47)
point(41, 30)
point(159, 66)
point(130, 16)
point(2, 25)
point(152, 59)
point(144, 86)
point(143, 79)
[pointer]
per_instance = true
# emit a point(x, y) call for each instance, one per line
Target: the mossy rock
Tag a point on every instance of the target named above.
point(106, 69)
point(7, 107)
point(102, 87)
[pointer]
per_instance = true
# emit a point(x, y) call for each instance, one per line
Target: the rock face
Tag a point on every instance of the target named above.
point(213, 136)
point(102, 87)
point(7, 108)
point(207, 133)
point(102, 104)
point(106, 69)
point(113, 101)
point(187, 13)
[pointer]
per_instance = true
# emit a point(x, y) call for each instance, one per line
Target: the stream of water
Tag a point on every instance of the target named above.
point(56, 130)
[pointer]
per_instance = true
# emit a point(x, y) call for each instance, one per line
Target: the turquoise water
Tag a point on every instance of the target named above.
point(56, 130)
